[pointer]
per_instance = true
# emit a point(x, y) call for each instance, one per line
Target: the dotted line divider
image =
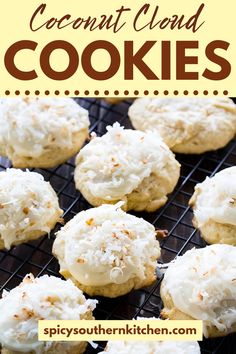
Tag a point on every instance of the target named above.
point(115, 93)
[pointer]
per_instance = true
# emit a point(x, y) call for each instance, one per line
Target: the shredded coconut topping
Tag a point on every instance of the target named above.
point(216, 198)
point(179, 119)
point(116, 163)
point(202, 284)
point(105, 245)
point(157, 347)
point(45, 298)
point(30, 125)
point(151, 347)
point(27, 204)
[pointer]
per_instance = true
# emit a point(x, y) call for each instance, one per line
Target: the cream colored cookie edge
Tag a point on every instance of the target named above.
point(173, 313)
point(34, 235)
point(213, 232)
point(113, 290)
point(136, 200)
point(78, 349)
point(199, 143)
point(51, 157)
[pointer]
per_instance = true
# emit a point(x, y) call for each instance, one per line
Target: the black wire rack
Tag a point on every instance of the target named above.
point(175, 216)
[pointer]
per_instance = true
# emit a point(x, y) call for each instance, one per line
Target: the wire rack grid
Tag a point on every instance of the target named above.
point(175, 216)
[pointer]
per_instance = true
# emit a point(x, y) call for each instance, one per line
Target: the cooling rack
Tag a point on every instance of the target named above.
point(175, 216)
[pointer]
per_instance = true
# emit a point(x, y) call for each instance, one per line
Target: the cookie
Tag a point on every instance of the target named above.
point(201, 285)
point(214, 207)
point(41, 132)
point(151, 347)
point(28, 207)
point(126, 165)
point(187, 125)
point(56, 348)
point(107, 252)
point(44, 298)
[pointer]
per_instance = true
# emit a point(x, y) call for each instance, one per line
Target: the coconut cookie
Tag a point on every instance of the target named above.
point(41, 132)
point(107, 252)
point(187, 125)
point(28, 207)
point(214, 207)
point(132, 166)
point(151, 347)
point(45, 298)
point(201, 285)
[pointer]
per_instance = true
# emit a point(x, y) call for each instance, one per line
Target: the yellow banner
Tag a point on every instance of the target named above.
point(118, 48)
point(142, 330)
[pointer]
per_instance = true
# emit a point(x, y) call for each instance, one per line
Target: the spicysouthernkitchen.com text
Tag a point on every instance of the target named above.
point(126, 330)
